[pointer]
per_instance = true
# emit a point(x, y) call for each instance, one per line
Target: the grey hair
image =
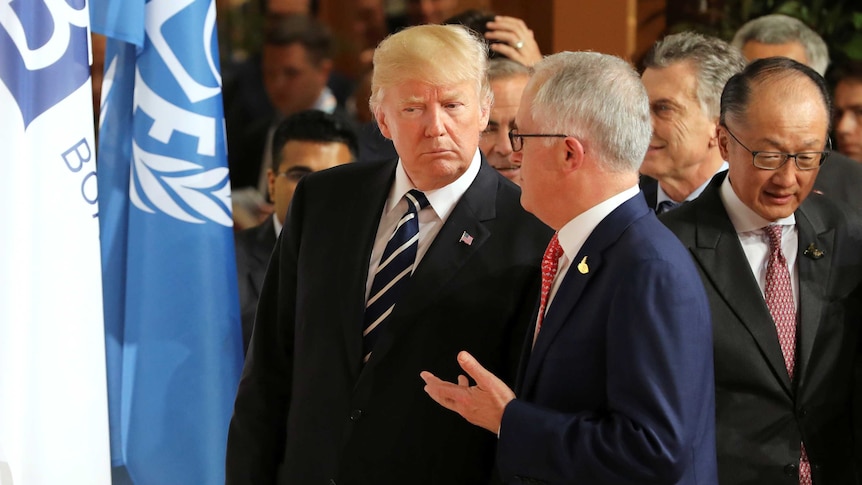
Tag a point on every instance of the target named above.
point(502, 68)
point(713, 59)
point(597, 98)
point(781, 29)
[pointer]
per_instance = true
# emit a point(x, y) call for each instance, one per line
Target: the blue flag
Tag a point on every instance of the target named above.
point(173, 335)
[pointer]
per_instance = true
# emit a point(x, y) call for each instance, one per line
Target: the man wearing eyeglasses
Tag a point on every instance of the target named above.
point(782, 268)
point(615, 384)
point(304, 143)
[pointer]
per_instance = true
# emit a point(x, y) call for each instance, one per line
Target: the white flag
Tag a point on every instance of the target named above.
point(53, 399)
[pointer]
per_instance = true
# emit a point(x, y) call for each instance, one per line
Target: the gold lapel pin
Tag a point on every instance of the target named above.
point(582, 266)
point(812, 252)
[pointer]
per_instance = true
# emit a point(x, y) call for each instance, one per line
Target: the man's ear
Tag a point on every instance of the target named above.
point(723, 139)
point(713, 140)
point(382, 123)
point(575, 153)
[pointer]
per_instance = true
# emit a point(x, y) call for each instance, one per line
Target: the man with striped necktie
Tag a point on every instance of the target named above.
point(384, 270)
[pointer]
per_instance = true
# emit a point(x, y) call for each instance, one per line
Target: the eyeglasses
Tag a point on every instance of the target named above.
point(775, 160)
point(517, 139)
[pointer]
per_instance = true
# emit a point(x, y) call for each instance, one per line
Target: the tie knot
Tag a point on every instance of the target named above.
point(666, 205)
point(773, 232)
point(416, 199)
point(554, 250)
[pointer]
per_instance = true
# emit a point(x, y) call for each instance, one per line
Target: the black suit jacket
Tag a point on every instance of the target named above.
point(762, 417)
point(840, 178)
point(307, 411)
point(253, 249)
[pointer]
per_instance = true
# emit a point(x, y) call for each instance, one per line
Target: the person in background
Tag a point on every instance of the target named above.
point(296, 66)
point(304, 143)
point(684, 74)
point(616, 382)
point(782, 268)
point(508, 79)
point(847, 108)
point(382, 270)
point(784, 36)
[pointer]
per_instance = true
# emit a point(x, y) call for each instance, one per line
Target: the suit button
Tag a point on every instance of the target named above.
point(791, 470)
point(803, 412)
point(355, 415)
point(332, 481)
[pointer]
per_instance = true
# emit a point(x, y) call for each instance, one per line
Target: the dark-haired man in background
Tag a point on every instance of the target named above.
point(304, 143)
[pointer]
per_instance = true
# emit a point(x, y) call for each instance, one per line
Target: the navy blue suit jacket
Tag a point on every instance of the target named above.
point(619, 386)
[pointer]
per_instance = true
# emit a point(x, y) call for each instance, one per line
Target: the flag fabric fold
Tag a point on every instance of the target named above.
point(53, 400)
point(172, 322)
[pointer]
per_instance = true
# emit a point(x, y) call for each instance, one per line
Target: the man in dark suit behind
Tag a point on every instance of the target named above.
point(782, 270)
point(304, 143)
point(326, 396)
point(615, 386)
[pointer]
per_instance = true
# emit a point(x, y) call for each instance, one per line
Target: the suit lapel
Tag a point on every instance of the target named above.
point(575, 282)
point(814, 271)
point(445, 257)
point(720, 255)
point(359, 227)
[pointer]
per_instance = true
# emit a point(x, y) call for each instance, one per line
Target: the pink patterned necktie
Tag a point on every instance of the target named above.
point(779, 300)
point(550, 262)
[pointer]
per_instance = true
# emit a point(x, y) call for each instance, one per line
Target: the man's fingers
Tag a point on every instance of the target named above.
point(484, 379)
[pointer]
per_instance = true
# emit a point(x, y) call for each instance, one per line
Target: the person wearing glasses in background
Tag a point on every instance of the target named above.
point(615, 383)
point(303, 143)
point(782, 267)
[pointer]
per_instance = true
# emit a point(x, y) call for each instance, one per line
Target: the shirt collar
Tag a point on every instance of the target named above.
point(442, 200)
point(661, 196)
point(573, 235)
point(276, 224)
point(743, 218)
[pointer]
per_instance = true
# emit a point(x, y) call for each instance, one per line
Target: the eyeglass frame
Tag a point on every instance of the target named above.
point(786, 156)
point(513, 134)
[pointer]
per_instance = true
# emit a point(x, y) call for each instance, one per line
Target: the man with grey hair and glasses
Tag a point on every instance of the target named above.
point(507, 78)
point(782, 267)
point(780, 35)
point(615, 384)
point(684, 74)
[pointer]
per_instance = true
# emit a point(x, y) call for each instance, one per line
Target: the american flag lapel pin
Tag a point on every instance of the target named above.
point(466, 239)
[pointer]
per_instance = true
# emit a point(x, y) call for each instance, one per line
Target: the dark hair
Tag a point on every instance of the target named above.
point(477, 20)
point(850, 71)
point(313, 35)
point(314, 126)
point(737, 92)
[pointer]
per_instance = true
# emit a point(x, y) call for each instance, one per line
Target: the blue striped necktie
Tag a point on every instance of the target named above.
point(393, 272)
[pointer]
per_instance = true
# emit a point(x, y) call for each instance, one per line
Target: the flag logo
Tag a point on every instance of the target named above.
point(42, 66)
point(170, 172)
point(466, 239)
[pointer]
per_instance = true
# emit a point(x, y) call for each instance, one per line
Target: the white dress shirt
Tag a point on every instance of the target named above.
point(749, 228)
point(574, 234)
point(441, 202)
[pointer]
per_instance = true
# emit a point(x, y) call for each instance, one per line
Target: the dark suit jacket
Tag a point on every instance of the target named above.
point(253, 248)
point(307, 411)
point(840, 178)
point(762, 417)
point(619, 386)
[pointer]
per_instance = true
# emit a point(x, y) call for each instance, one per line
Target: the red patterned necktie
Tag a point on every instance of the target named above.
point(779, 300)
point(550, 262)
